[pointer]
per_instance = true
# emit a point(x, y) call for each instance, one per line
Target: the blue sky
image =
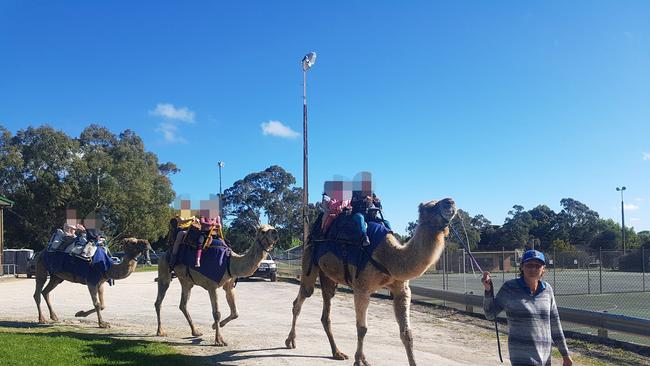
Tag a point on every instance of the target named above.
point(493, 104)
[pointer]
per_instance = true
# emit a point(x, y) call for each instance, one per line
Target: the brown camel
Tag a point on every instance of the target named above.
point(133, 248)
point(240, 266)
point(402, 261)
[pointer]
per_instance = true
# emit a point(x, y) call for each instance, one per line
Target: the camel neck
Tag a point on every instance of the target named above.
point(418, 254)
point(246, 264)
point(124, 269)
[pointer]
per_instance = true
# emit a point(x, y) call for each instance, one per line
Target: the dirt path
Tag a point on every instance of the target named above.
point(257, 336)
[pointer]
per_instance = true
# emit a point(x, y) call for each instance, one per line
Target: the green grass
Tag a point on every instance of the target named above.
point(141, 268)
point(73, 346)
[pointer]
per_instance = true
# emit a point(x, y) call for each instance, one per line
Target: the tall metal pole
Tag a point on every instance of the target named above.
point(220, 192)
point(305, 166)
point(622, 217)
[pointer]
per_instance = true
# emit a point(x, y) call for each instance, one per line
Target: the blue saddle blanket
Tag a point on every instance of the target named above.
point(356, 255)
point(91, 271)
point(214, 260)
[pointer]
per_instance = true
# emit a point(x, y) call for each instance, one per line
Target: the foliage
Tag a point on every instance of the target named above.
point(103, 177)
point(268, 195)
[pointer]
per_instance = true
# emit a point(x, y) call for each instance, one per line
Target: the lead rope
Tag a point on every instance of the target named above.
point(478, 266)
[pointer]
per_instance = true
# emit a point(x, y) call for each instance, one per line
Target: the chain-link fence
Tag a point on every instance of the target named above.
point(614, 282)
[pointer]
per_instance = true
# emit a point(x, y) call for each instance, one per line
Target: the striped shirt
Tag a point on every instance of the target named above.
point(533, 321)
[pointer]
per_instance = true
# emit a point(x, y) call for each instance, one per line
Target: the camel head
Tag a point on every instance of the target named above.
point(267, 236)
point(437, 214)
point(135, 247)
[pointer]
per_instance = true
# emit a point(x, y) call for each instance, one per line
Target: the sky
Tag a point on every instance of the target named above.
point(494, 104)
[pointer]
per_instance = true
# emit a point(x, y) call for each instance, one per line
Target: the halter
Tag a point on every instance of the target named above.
point(262, 246)
point(438, 227)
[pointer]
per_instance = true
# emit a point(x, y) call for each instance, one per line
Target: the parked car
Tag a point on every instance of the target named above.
point(153, 256)
point(267, 269)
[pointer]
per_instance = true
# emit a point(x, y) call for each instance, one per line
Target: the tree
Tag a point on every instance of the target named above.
point(265, 195)
point(111, 178)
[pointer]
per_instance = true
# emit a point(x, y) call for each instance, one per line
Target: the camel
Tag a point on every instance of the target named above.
point(133, 248)
point(240, 266)
point(402, 261)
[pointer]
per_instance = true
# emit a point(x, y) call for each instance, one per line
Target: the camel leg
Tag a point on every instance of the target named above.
point(361, 301)
point(100, 293)
point(328, 289)
point(216, 315)
point(307, 285)
point(229, 288)
point(94, 295)
point(41, 278)
point(164, 279)
point(401, 304)
point(54, 281)
point(186, 289)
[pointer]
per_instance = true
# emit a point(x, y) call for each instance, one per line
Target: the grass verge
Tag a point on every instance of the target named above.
point(60, 345)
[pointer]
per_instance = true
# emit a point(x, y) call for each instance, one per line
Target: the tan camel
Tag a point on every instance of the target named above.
point(240, 266)
point(133, 248)
point(402, 261)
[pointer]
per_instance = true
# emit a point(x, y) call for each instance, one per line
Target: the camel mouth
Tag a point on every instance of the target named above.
point(448, 209)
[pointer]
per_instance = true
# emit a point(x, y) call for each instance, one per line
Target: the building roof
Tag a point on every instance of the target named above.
point(4, 202)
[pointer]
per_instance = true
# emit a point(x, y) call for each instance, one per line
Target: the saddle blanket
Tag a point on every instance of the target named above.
point(214, 260)
point(91, 271)
point(354, 254)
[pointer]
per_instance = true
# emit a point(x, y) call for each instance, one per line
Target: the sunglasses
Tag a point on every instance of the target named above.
point(533, 265)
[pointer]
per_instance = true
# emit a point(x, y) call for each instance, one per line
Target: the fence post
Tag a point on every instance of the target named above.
point(444, 268)
point(600, 267)
point(588, 280)
point(503, 264)
point(554, 269)
point(464, 271)
point(643, 266)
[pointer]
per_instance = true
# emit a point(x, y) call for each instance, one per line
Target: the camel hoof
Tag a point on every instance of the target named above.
point(54, 318)
point(290, 343)
point(161, 333)
point(104, 325)
point(220, 343)
point(196, 333)
point(42, 321)
point(338, 355)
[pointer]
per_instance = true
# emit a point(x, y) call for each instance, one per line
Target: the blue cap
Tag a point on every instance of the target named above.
point(533, 254)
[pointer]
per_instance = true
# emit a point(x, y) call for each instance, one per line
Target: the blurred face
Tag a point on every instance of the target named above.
point(533, 269)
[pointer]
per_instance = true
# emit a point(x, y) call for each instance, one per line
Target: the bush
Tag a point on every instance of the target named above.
point(631, 263)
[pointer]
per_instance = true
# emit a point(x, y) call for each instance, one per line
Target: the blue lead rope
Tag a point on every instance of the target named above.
point(475, 263)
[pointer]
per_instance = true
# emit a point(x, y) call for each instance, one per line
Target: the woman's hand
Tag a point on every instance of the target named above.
point(487, 281)
point(567, 361)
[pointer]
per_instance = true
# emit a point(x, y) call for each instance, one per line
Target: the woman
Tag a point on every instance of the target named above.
point(532, 314)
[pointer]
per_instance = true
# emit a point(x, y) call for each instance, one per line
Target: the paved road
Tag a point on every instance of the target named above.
point(257, 337)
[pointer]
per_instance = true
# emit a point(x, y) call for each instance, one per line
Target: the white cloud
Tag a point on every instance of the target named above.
point(646, 156)
point(635, 219)
point(276, 128)
point(170, 133)
point(631, 207)
point(639, 199)
point(167, 110)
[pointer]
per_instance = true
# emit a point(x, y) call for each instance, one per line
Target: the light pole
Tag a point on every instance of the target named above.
point(621, 189)
point(220, 164)
point(307, 62)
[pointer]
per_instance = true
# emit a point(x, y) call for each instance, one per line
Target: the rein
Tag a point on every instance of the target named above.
point(474, 262)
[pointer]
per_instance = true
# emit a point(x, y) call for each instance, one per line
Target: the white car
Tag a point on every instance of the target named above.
point(267, 269)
